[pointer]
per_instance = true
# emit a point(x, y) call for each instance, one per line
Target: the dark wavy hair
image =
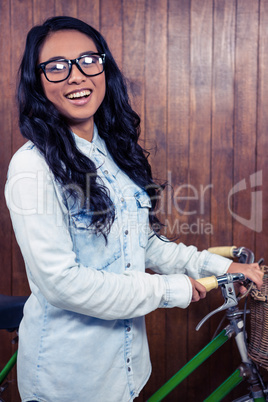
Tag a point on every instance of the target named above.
point(116, 121)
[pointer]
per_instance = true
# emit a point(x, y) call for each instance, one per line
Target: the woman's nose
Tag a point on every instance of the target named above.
point(76, 75)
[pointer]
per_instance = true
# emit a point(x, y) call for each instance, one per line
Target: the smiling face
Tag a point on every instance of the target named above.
point(78, 97)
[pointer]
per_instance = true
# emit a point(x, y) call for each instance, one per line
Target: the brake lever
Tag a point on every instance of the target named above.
point(226, 282)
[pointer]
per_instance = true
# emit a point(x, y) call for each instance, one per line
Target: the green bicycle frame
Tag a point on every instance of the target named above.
point(189, 367)
point(195, 362)
point(8, 367)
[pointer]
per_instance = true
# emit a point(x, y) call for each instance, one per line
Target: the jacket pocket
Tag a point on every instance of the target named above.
point(91, 249)
point(143, 204)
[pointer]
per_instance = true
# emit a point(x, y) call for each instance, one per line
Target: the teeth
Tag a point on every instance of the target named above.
point(79, 94)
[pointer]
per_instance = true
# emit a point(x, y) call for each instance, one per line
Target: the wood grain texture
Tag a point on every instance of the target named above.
point(222, 155)
point(200, 114)
point(178, 109)
point(155, 141)
point(199, 166)
point(42, 10)
point(111, 27)
point(89, 11)
point(246, 69)
point(134, 19)
point(155, 85)
point(222, 119)
point(262, 138)
point(66, 7)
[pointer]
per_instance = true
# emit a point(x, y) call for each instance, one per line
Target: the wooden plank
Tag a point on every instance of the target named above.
point(222, 120)
point(21, 22)
point(42, 10)
point(89, 11)
point(155, 136)
point(200, 175)
point(66, 7)
point(262, 138)
point(178, 69)
point(222, 156)
point(245, 120)
point(155, 85)
point(111, 27)
point(134, 55)
point(178, 108)
point(200, 117)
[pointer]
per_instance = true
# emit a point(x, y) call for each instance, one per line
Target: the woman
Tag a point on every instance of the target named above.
point(79, 193)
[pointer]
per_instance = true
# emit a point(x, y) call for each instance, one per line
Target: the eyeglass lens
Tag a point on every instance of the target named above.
point(58, 70)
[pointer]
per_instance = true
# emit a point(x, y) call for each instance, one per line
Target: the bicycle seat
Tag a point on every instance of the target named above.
point(11, 311)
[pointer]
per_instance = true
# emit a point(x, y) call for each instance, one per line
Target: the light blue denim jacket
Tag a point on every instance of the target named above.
point(83, 334)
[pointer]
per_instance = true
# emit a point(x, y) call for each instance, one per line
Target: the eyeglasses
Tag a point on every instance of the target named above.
point(59, 70)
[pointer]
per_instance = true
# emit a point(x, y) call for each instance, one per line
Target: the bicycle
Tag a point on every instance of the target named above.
point(248, 369)
point(11, 312)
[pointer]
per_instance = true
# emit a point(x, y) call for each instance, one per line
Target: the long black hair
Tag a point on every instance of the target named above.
point(116, 121)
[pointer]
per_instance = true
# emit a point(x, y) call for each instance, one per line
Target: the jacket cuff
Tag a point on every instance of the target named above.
point(178, 291)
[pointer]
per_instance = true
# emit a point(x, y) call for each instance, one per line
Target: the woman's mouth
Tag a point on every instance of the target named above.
point(80, 94)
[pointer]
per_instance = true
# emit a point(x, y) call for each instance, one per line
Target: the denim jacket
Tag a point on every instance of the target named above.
point(83, 334)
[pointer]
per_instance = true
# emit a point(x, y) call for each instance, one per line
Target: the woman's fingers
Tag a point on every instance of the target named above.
point(251, 271)
point(199, 291)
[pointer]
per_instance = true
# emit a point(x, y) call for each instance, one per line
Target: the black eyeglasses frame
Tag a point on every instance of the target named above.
point(42, 66)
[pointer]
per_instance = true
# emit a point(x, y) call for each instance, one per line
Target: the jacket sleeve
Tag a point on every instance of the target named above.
point(39, 219)
point(166, 257)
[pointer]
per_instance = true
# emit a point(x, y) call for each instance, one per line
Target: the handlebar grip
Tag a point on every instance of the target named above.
point(209, 282)
point(223, 251)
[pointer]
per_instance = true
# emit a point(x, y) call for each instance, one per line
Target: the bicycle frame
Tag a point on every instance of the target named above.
point(8, 367)
point(247, 369)
point(189, 367)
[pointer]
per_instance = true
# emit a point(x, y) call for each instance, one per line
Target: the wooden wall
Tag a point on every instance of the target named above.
point(198, 76)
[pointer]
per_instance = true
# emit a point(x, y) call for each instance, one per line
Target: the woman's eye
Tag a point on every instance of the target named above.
point(56, 68)
point(87, 61)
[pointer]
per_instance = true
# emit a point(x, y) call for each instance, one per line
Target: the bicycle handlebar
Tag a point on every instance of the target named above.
point(226, 251)
point(243, 254)
point(226, 281)
point(210, 282)
point(213, 282)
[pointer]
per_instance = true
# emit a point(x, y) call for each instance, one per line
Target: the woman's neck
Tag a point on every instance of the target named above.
point(85, 130)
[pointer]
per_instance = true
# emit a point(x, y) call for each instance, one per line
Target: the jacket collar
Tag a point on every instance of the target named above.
point(89, 147)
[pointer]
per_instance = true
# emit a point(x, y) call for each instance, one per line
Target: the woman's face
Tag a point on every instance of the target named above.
point(78, 97)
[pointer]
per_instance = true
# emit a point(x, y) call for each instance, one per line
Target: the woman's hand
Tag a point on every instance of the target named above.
point(199, 291)
point(251, 271)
